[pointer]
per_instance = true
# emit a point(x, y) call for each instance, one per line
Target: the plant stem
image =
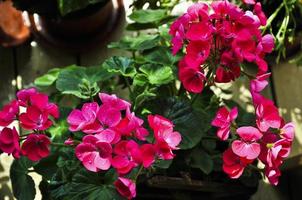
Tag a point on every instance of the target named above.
point(128, 85)
point(248, 75)
point(139, 172)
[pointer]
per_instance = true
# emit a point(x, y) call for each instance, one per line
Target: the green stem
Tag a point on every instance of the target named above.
point(248, 75)
point(128, 85)
point(272, 17)
point(139, 172)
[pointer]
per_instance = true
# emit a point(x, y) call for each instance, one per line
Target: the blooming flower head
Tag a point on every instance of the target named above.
point(126, 187)
point(9, 142)
point(267, 116)
point(234, 165)
point(223, 121)
point(36, 147)
point(23, 96)
point(248, 146)
point(95, 151)
point(8, 113)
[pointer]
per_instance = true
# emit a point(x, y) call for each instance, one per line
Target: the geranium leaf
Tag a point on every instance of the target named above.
point(120, 65)
point(147, 16)
point(160, 55)
point(200, 159)
point(142, 42)
point(157, 74)
point(69, 6)
point(23, 185)
point(47, 79)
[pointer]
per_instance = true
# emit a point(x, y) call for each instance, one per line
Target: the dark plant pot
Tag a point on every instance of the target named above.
point(172, 188)
point(78, 31)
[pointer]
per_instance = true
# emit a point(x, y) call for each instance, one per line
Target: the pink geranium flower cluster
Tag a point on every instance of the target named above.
point(269, 141)
point(116, 138)
point(36, 118)
point(217, 40)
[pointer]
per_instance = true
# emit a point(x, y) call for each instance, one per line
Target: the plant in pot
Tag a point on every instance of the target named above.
point(71, 23)
point(163, 133)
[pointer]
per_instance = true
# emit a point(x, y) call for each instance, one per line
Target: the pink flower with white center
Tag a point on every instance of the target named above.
point(9, 142)
point(248, 146)
point(35, 119)
point(166, 139)
point(95, 151)
point(24, 95)
point(85, 119)
point(234, 165)
point(114, 102)
point(258, 11)
point(272, 175)
point(267, 116)
point(36, 147)
point(192, 78)
point(223, 120)
point(126, 187)
point(8, 113)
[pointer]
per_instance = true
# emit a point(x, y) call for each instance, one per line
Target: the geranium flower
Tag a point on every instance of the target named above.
point(258, 11)
point(40, 101)
point(114, 102)
point(8, 113)
point(287, 131)
point(248, 146)
point(126, 187)
point(9, 142)
point(267, 116)
point(234, 165)
point(35, 119)
point(272, 175)
point(249, 1)
point(95, 151)
point(223, 121)
point(24, 95)
point(192, 78)
point(36, 147)
point(229, 69)
point(85, 119)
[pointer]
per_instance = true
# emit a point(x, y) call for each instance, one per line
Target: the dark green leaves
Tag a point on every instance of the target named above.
point(160, 55)
point(47, 79)
point(148, 16)
point(138, 43)
point(23, 184)
point(201, 160)
point(157, 74)
point(81, 81)
point(120, 65)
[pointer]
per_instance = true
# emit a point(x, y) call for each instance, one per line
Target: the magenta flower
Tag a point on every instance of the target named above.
point(197, 53)
point(24, 95)
point(36, 147)
point(192, 78)
point(95, 151)
point(34, 119)
point(85, 119)
point(229, 69)
point(114, 102)
point(287, 131)
point(9, 142)
point(109, 116)
point(258, 11)
point(248, 146)
point(126, 187)
point(272, 175)
point(166, 139)
point(40, 101)
point(223, 120)
point(234, 165)
point(252, 2)
point(267, 116)
point(8, 113)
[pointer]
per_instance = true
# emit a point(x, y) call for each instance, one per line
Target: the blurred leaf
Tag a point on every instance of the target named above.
point(120, 65)
point(157, 74)
point(163, 164)
point(47, 79)
point(201, 160)
point(68, 6)
point(23, 185)
point(139, 43)
point(147, 16)
point(160, 55)
point(47, 167)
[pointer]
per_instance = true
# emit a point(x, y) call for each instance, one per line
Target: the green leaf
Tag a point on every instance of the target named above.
point(200, 159)
point(140, 80)
point(81, 81)
point(59, 130)
point(47, 167)
point(68, 6)
point(157, 74)
point(23, 185)
point(47, 79)
point(160, 55)
point(190, 122)
point(163, 164)
point(89, 185)
point(147, 16)
point(120, 65)
point(142, 42)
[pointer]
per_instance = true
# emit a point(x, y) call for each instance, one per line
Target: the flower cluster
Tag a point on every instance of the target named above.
point(217, 40)
point(269, 141)
point(115, 137)
point(34, 112)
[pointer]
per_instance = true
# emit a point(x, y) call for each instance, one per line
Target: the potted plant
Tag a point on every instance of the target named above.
point(71, 23)
point(151, 121)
